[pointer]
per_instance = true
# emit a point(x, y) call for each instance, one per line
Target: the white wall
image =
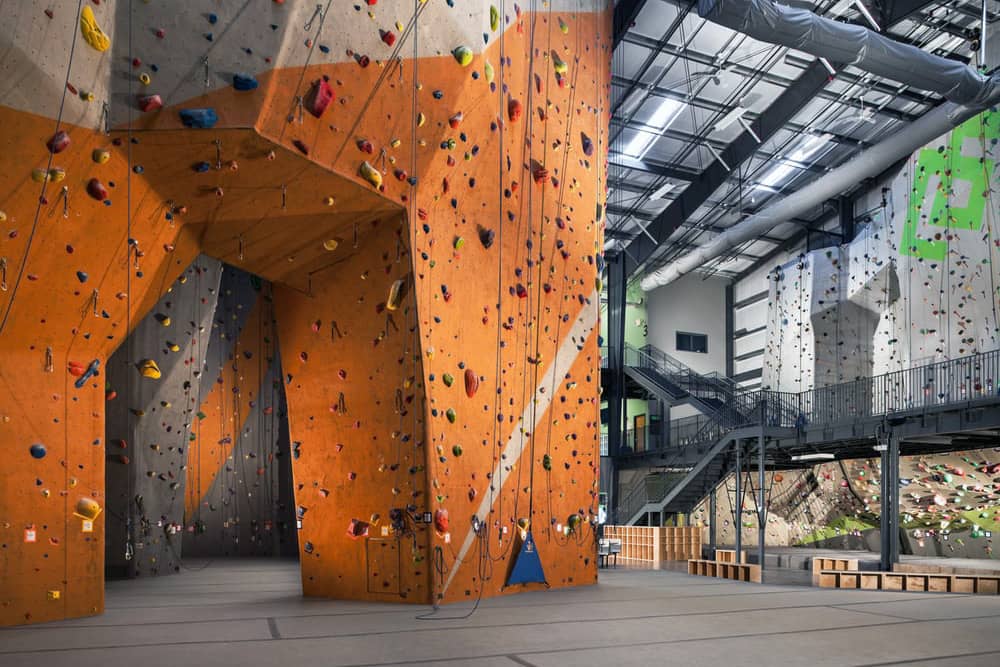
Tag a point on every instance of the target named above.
point(694, 305)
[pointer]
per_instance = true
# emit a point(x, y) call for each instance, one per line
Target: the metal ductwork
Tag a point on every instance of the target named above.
point(766, 21)
point(856, 45)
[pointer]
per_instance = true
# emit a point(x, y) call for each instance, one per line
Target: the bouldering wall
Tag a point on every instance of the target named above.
point(919, 284)
point(949, 506)
point(152, 391)
point(447, 161)
point(238, 491)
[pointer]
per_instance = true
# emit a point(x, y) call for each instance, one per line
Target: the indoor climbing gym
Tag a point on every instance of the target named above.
point(551, 333)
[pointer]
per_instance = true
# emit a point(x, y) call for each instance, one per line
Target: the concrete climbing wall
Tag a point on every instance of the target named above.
point(152, 398)
point(949, 506)
point(919, 284)
point(447, 161)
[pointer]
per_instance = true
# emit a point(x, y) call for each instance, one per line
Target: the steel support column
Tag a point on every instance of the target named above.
point(738, 505)
point(761, 499)
point(615, 391)
point(712, 507)
point(889, 524)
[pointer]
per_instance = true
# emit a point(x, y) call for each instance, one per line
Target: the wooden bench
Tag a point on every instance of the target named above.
point(820, 564)
point(725, 570)
point(729, 555)
point(923, 582)
point(608, 548)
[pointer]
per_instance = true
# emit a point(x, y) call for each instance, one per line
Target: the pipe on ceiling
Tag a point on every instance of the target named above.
point(856, 45)
point(867, 164)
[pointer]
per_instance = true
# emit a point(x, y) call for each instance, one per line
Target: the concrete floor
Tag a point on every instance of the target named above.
point(249, 612)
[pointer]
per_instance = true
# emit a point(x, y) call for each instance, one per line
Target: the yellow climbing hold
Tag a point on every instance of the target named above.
point(3, 216)
point(559, 65)
point(421, 119)
point(396, 293)
point(488, 72)
point(563, 28)
point(100, 156)
point(57, 174)
point(149, 369)
point(92, 33)
point(330, 244)
point(463, 55)
point(329, 201)
point(370, 174)
point(494, 18)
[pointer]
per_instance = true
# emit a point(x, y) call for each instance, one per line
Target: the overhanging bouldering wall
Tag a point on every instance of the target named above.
point(152, 391)
point(445, 161)
point(949, 506)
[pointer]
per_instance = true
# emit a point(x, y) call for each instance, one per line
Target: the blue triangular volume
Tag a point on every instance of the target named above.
point(527, 566)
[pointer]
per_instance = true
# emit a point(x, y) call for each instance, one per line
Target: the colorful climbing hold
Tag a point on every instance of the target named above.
point(514, 110)
point(318, 98)
point(38, 450)
point(244, 82)
point(463, 55)
point(370, 174)
point(471, 383)
point(149, 369)
point(58, 143)
point(97, 190)
point(91, 31)
point(199, 118)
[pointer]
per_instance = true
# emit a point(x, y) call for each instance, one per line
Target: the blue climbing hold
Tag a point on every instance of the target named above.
point(213, 19)
point(201, 167)
point(38, 451)
point(82, 276)
point(244, 82)
point(199, 118)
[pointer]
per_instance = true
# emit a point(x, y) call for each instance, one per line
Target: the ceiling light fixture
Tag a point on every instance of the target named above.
point(814, 457)
point(666, 113)
point(662, 190)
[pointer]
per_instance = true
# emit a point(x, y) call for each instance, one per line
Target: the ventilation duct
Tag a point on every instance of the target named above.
point(766, 21)
point(852, 44)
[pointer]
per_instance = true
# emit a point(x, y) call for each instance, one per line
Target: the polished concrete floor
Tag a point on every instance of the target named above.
point(249, 612)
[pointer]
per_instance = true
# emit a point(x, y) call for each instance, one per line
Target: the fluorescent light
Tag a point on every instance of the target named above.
point(777, 174)
point(810, 147)
point(729, 119)
point(662, 190)
point(666, 113)
point(814, 457)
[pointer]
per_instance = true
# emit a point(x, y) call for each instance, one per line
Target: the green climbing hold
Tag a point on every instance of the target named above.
point(494, 18)
point(463, 55)
point(547, 462)
point(457, 450)
point(451, 415)
point(448, 378)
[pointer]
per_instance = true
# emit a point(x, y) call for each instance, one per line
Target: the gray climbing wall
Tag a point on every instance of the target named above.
point(240, 484)
point(149, 424)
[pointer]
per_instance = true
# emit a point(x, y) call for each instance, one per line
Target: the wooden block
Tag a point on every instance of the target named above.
point(987, 585)
point(871, 581)
point(938, 583)
point(693, 567)
point(963, 584)
point(892, 581)
point(849, 579)
point(828, 579)
point(915, 582)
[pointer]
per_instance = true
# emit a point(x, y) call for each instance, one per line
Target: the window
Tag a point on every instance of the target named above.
point(692, 342)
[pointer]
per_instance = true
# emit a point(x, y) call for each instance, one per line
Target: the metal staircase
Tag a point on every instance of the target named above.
point(676, 383)
point(694, 468)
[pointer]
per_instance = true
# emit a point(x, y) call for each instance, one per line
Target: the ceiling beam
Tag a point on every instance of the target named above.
point(655, 168)
point(787, 105)
point(626, 12)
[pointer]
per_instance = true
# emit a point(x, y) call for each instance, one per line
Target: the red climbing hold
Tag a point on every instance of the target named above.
point(388, 36)
point(59, 142)
point(455, 120)
point(318, 98)
point(97, 190)
point(150, 103)
point(471, 383)
point(441, 520)
point(514, 110)
point(365, 146)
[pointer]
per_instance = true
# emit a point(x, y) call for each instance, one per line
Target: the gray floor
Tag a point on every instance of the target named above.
point(249, 612)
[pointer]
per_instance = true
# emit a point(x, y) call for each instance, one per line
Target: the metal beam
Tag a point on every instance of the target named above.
point(790, 242)
point(656, 168)
point(784, 108)
point(626, 12)
point(894, 11)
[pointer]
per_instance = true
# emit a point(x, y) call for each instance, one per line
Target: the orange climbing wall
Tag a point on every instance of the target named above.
point(283, 197)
